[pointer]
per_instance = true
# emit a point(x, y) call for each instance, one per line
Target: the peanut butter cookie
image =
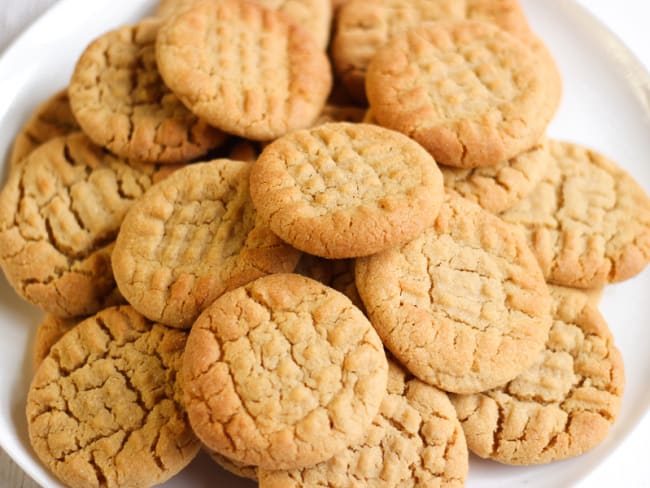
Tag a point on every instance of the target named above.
point(103, 408)
point(464, 306)
point(471, 94)
point(363, 26)
point(60, 211)
point(588, 221)
point(563, 405)
point(121, 102)
point(313, 15)
point(192, 237)
point(497, 188)
point(283, 373)
point(415, 441)
point(52, 118)
point(48, 333)
point(243, 68)
point(344, 190)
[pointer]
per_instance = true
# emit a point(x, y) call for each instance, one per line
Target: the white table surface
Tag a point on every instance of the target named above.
point(629, 465)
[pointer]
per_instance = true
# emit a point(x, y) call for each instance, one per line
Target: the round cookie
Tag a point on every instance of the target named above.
point(192, 237)
point(471, 94)
point(121, 102)
point(313, 15)
point(48, 333)
point(416, 440)
point(60, 211)
point(363, 26)
point(243, 68)
point(497, 188)
point(103, 408)
point(51, 119)
point(563, 405)
point(282, 373)
point(344, 190)
point(52, 328)
point(588, 221)
point(464, 306)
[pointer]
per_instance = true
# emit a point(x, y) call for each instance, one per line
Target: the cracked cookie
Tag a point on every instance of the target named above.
point(103, 408)
point(282, 373)
point(588, 221)
point(363, 26)
point(60, 211)
point(563, 405)
point(464, 306)
point(52, 328)
point(51, 119)
point(416, 440)
point(192, 237)
point(121, 102)
point(343, 190)
point(497, 188)
point(243, 68)
point(471, 94)
point(313, 15)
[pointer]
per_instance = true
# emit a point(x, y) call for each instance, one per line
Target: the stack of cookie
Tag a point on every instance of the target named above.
point(230, 260)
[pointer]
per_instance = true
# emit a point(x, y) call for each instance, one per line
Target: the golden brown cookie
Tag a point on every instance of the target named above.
point(497, 188)
point(343, 190)
point(48, 333)
point(282, 373)
point(60, 211)
point(363, 26)
point(103, 408)
point(588, 221)
point(243, 68)
point(335, 273)
point(52, 328)
point(471, 94)
point(464, 306)
point(415, 441)
point(192, 237)
point(563, 405)
point(121, 102)
point(51, 119)
point(313, 15)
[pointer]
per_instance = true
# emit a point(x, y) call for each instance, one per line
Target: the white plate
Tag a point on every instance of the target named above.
point(606, 105)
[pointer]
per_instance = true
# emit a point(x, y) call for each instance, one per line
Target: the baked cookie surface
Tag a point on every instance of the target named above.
point(588, 221)
point(464, 306)
point(282, 373)
point(192, 237)
point(243, 68)
point(363, 26)
point(51, 119)
point(497, 188)
point(103, 408)
point(60, 211)
point(563, 405)
point(313, 15)
point(415, 441)
point(470, 93)
point(344, 190)
point(122, 103)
